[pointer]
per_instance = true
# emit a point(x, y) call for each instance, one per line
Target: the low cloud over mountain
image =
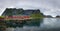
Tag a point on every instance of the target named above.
point(48, 7)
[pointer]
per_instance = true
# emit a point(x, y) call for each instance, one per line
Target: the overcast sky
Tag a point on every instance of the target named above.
point(48, 7)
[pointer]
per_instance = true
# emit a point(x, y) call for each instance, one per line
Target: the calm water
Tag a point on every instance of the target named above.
point(45, 24)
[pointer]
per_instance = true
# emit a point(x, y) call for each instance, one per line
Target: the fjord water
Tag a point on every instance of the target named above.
point(44, 24)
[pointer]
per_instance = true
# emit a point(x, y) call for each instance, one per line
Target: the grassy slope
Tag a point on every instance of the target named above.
point(36, 16)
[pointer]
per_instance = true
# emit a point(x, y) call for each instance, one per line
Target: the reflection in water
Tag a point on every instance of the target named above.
point(33, 22)
point(28, 25)
point(51, 23)
point(45, 24)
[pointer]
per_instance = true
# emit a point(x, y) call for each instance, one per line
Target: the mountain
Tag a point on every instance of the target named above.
point(33, 13)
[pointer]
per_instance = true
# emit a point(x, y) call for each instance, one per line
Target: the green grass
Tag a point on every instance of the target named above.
point(36, 16)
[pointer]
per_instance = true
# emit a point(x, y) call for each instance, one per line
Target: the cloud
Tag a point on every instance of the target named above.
point(48, 7)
